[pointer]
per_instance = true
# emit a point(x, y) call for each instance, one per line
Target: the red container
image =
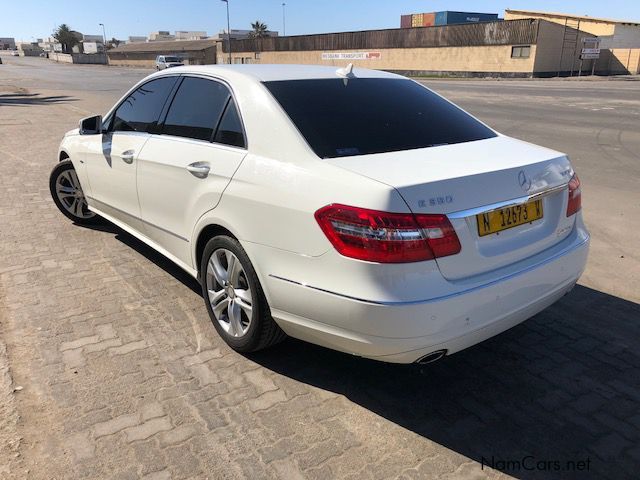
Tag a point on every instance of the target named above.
point(405, 21)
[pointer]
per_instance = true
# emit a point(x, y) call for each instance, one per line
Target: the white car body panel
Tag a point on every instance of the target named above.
point(266, 196)
point(172, 199)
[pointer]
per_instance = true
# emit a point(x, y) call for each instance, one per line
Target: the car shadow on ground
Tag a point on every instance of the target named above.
point(25, 99)
point(555, 397)
point(562, 387)
point(149, 253)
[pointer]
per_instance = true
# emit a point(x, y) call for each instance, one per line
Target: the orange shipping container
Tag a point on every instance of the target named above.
point(428, 19)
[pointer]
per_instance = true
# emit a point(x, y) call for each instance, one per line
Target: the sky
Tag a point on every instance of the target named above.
point(27, 20)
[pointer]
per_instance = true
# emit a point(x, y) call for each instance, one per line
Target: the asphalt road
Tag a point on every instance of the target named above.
point(122, 376)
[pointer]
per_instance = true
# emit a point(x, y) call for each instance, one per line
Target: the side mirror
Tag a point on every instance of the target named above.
point(91, 125)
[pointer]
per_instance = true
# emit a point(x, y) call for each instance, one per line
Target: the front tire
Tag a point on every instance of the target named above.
point(68, 196)
point(234, 298)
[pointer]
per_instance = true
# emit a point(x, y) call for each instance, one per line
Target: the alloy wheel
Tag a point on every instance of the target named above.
point(229, 292)
point(70, 195)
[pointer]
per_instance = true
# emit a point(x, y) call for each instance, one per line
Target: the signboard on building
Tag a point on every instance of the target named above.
point(351, 55)
point(90, 47)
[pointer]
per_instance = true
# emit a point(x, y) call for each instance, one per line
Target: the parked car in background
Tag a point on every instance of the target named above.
point(15, 53)
point(354, 209)
point(167, 61)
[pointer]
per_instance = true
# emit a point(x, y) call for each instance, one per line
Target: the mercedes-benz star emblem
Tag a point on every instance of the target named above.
point(524, 181)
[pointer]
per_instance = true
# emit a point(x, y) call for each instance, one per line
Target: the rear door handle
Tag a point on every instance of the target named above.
point(127, 156)
point(199, 169)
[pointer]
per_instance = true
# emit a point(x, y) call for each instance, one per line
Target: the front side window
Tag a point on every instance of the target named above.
point(196, 109)
point(141, 110)
point(360, 116)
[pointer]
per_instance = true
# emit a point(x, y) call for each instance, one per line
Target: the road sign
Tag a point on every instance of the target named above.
point(590, 50)
point(588, 56)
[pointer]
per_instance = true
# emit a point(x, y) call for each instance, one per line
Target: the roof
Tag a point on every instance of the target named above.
point(268, 72)
point(569, 15)
point(170, 46)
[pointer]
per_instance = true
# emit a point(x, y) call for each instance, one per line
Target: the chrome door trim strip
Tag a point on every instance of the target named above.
point(137, 218)
point(552, 258)
point(507, 203)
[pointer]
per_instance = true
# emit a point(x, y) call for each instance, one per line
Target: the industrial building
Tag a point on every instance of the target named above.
point(7, 43)
point(619, 40)
point(512, 48)
point(524, 44)
point(193, 52)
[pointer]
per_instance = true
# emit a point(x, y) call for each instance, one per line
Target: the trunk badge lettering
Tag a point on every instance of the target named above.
point(435, 201)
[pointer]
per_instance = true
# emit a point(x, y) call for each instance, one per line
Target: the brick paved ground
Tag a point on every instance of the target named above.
point(124, 377)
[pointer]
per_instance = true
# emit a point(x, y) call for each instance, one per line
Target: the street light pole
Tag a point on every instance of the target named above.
point(104, 36)
point(284, 22)
point(228, 30)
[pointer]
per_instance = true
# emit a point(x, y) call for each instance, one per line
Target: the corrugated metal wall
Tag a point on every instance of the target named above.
point(473, 34)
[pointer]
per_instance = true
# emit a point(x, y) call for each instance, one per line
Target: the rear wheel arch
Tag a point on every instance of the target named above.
point(207, 233)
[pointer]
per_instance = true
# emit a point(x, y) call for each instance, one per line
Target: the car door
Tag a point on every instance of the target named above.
point(111, 157)
point(183, 171)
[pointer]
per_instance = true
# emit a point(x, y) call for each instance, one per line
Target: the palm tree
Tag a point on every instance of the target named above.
point(67, 37)
point(259, 30)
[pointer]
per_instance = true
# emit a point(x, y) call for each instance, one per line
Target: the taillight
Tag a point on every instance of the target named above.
point(575, 196)
point(387, 237)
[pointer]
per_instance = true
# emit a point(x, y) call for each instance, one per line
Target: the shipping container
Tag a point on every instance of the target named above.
point(453, 18)
point(441, 18)
point(428, 19)
point(416, 20)
point(405, 21)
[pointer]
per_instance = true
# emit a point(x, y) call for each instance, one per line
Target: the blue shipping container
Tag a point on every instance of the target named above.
point(452, 18)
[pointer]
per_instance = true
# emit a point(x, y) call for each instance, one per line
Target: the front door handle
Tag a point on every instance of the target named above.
point(127, 156)
point(199, 169)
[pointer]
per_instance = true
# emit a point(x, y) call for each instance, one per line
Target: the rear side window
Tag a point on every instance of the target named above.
point(230, 129)
point(196, 109)
point(360, 116)
point(140, 110)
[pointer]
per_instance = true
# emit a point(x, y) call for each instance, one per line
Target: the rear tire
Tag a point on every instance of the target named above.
point(234, 297)
point(68, 196)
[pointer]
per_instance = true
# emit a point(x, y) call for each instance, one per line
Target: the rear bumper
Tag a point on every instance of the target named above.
point(452, 322)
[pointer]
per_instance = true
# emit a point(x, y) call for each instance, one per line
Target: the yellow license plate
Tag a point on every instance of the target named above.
point(508, 217)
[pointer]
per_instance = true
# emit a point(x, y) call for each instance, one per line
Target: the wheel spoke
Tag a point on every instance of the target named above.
point(78, 210)
point(62, 190)
point(233, 268)
point(74, 179)
point(248, 309)
point(216, 296)
point(215, 269)
point(220, 307)
point(235, 320)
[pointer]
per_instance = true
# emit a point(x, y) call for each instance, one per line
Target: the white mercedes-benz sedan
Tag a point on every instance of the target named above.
point(349, 208)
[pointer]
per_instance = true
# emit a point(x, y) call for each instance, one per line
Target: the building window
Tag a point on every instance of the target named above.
point(522, 51)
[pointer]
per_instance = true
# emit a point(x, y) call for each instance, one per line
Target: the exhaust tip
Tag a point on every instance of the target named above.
point(432, 357)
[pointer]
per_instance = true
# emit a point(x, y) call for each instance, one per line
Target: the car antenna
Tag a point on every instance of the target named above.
point(346, 73)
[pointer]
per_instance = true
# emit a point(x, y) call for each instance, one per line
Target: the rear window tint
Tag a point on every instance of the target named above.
point(360, 116)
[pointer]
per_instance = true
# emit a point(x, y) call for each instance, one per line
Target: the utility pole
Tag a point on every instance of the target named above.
point(228, 30)
point(104, 36)
point(284, 22)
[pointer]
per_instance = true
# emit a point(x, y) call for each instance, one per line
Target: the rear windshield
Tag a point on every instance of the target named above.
point(359, 116)
point(171, 59)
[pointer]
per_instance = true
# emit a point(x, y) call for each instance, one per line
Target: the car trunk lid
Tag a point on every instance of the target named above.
point(467, 179)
